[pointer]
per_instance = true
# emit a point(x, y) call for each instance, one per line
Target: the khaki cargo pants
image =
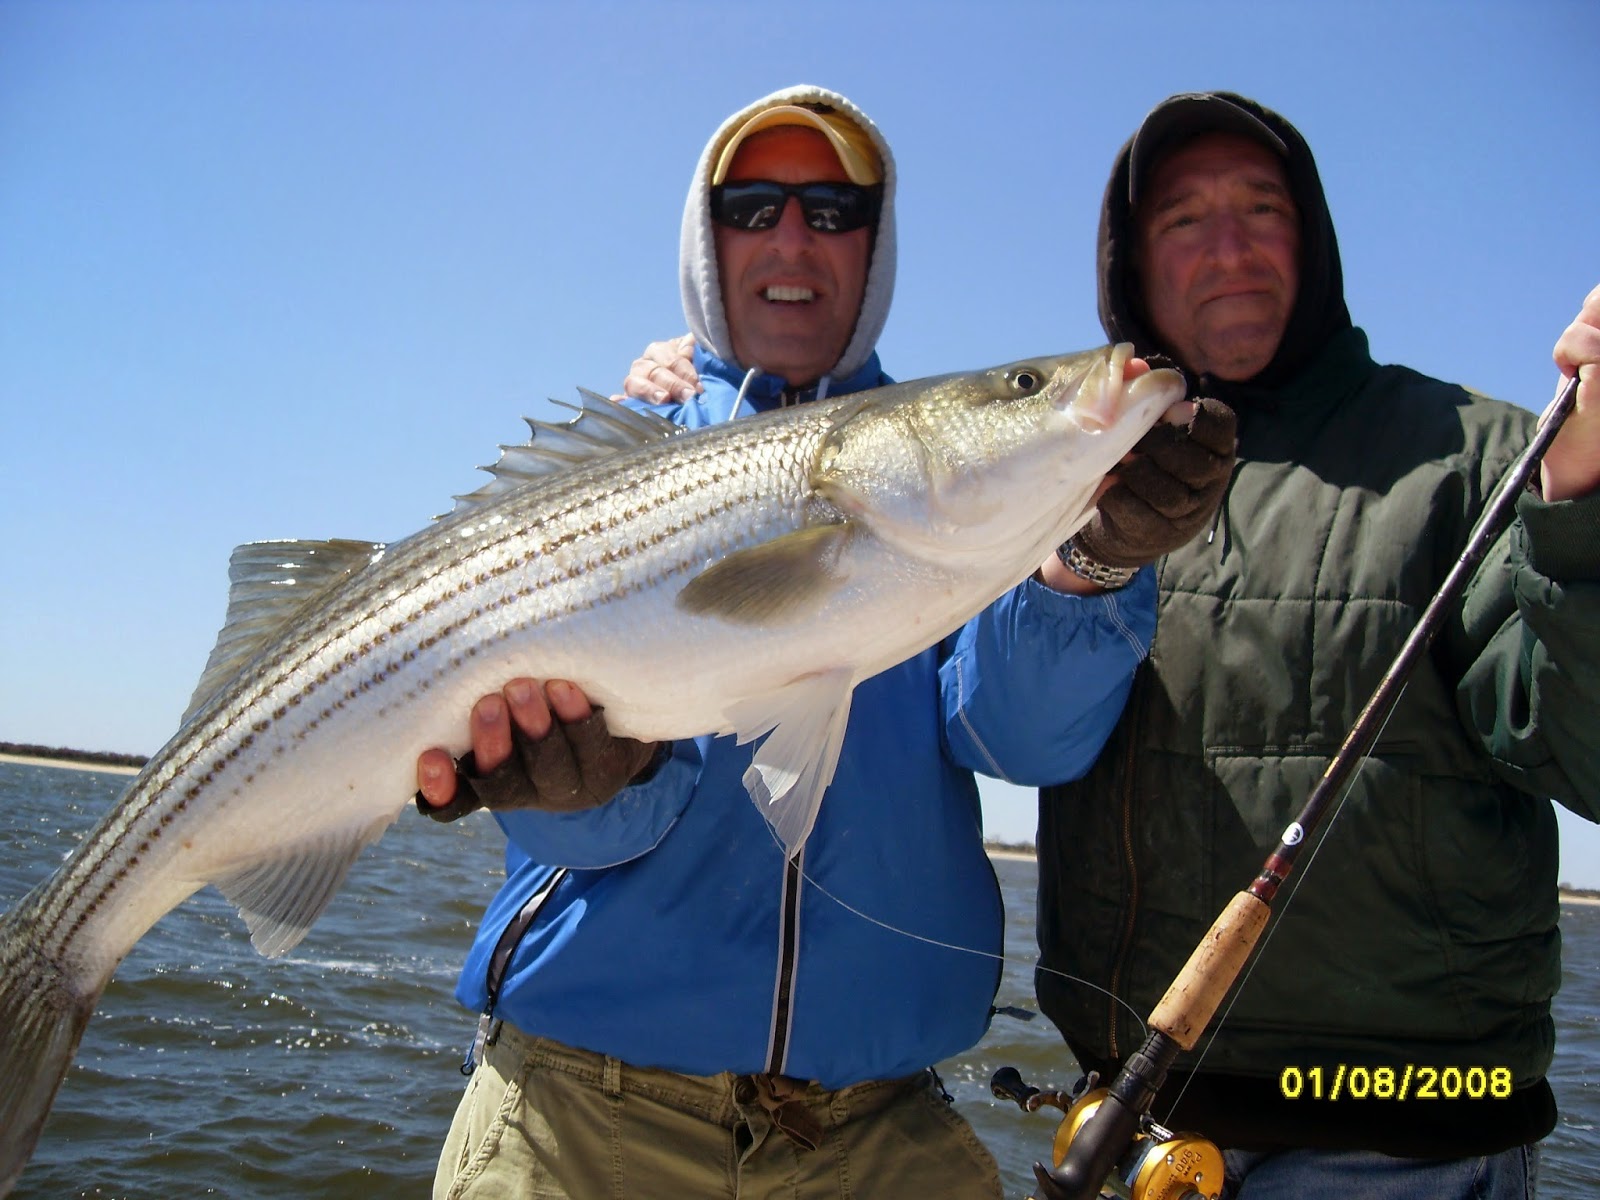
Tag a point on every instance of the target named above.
point(543, 1120)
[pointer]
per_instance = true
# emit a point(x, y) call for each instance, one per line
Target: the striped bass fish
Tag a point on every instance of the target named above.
point(740, 579)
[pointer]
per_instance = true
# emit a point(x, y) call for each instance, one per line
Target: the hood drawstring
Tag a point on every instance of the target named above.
point(786, 398)
point(789, 398)
point(1220, 517)
point(749, 378)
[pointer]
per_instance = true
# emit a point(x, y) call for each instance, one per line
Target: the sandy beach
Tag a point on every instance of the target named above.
point(108, 768)
point(1025, 853)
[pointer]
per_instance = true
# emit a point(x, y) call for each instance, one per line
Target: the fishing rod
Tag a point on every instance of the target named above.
point(1107, 1137)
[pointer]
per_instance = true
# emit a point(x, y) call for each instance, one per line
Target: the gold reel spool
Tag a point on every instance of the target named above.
point(1159, 1165)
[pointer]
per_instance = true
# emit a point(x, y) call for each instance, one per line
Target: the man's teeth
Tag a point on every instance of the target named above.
point(790, 294)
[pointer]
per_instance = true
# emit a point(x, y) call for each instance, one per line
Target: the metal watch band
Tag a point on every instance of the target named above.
point(1081, 565)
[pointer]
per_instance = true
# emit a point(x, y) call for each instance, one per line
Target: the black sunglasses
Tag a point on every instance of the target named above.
point(827, 207)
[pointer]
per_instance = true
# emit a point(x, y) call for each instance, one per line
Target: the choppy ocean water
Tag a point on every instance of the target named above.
point(332, 1073)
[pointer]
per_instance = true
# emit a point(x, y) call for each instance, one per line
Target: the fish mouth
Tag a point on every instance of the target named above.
point(1099, 400)
point(1105, 395)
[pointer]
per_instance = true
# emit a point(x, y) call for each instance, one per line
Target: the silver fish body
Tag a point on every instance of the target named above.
point(741, 579)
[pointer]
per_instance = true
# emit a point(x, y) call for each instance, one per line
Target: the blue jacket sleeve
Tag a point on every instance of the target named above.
point(631, 823)
point(1034, 684)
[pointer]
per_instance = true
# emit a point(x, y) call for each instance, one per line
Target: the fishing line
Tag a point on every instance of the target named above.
point(1280, 910)
point(888, 927)
point(907, 933)
point(1001, 958)
point(1491, 524)
point(1219, 962)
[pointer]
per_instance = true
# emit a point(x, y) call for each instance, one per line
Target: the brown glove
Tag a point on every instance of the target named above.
point(573, 767)
point(1167, 494)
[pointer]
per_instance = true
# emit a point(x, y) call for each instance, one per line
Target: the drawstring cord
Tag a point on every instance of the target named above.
point(749, 378)
point(786, 398)
point(1219, 519)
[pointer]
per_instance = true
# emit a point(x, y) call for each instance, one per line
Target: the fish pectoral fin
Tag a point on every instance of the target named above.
point(282, 897)
point(792, 769)
point(268, 583)
point(782, 580)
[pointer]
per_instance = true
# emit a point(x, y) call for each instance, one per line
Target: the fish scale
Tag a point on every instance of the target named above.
point(741, 579)
point(549, 527)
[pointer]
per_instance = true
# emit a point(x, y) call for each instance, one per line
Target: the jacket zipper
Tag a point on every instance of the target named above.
point(494, 978)
point(788, 954)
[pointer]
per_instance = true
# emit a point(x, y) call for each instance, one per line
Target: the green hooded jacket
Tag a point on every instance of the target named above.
point(1421, 930)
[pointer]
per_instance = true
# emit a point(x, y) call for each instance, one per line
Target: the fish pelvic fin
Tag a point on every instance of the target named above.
point(280, 898)
point(782, 580)
point(44, 1008)
point(793, 767)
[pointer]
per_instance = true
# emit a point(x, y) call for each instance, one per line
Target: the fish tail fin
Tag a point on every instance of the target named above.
point(43, 1013)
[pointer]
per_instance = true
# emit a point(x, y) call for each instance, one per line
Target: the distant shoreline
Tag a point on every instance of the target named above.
point(1026, 853)
point(36, 760)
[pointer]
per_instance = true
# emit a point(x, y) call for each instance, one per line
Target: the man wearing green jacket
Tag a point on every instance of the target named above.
point(1422, 934)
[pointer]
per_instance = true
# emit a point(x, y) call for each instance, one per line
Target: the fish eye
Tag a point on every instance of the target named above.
point(1024, 380)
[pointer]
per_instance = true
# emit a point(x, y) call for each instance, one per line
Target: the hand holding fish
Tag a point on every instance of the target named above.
point(1167, 491)
point(1571, 467)
point(1157, 500)
point(614, 550)
point(545, 748)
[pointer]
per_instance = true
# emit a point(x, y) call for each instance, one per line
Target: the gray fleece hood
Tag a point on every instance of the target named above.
point(697, 255)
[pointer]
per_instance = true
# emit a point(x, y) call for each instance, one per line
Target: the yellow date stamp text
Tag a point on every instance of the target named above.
point(1344, 1081)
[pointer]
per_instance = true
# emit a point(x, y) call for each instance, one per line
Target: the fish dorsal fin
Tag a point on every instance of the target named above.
point(774, 582)
point(793, 767)
point(268, 583)
point(281, 898)
point(602, 427)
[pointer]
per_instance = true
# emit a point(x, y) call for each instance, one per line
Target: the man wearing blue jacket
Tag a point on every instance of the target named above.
point(672, 1007)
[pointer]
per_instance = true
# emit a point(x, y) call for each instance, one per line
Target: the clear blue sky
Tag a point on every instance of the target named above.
point(278, 269)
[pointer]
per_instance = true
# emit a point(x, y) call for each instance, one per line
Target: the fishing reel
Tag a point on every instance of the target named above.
point(1158, 1163)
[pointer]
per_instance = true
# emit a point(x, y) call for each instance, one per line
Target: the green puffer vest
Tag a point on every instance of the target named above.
point(1422, 928)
